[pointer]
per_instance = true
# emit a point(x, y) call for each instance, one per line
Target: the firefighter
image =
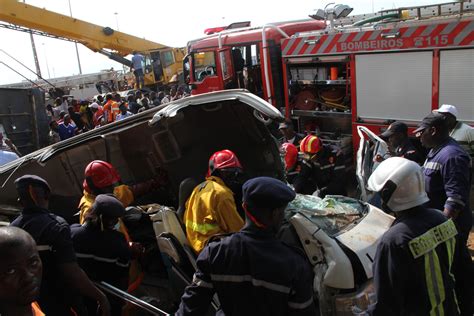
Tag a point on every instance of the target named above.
point(251, 271)
point(101, 177)
point(413, 262)
point(186, 187)
point(290, 158)
point(21, 271)
point(322, 169)
point(399, 144)
point(211, 209)
point(62, 276)
point(102, 251)
point(447, 172)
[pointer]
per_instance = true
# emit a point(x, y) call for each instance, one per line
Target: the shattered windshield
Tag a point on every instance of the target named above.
point(332, 214)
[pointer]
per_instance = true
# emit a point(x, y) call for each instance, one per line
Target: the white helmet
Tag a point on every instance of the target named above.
point(400, 183)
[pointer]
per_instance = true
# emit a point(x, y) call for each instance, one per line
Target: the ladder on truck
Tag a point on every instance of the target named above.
point(408, 13)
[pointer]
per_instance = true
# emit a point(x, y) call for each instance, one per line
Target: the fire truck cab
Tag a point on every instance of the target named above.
point(243, 57)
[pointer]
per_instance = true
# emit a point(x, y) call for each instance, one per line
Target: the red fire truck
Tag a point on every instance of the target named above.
point(369, 70)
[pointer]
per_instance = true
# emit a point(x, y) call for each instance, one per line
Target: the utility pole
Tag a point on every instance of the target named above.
point(46, 59)
point(116, 20)
point(35, 54)
point(75, 43)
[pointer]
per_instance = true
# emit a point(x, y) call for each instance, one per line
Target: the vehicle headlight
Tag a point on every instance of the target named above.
point(362, 299)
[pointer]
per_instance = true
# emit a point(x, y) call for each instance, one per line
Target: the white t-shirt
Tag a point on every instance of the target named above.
point(7, 156)
point(464, 135)
point(121, 116)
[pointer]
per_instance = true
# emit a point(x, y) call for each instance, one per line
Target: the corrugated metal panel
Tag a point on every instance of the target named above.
point(24, 119)
point(394, 86)
point(456, 81)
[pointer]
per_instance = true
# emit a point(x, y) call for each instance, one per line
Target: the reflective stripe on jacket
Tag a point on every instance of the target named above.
point(210, 210)
point(252, 273)
point(413, 266)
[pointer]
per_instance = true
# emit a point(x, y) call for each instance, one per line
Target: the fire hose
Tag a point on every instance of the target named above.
point(328, 103)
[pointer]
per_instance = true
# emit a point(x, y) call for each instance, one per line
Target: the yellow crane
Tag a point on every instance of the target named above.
point(163, 64)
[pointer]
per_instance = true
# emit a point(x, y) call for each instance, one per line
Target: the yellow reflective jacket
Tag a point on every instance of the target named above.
point(210, 210)
point(122, 192)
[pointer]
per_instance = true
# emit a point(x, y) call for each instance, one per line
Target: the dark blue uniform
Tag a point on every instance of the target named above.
point(447, 171)
point(53, 238)
point(328, 174)
point(412, 266)
point(104, 256)
point(447, 182)
point(252, 273)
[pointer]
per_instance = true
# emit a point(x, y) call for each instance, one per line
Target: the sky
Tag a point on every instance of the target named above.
point(172, 23)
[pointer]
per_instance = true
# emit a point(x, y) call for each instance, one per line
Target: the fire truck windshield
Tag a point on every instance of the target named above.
point(204, 65)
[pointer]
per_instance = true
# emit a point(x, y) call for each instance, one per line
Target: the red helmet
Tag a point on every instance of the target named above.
point(222, 160)
point(311, 144)
point(99, 174)
point(291, 155)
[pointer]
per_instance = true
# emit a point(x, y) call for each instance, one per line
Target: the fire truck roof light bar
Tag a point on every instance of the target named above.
point(414, 12)
point(331, 13)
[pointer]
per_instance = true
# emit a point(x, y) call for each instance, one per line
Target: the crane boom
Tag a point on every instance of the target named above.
point(93, 36)
point(114, 44)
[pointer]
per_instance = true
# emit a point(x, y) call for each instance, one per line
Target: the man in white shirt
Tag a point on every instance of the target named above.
point(461, 132)
point(124, 113)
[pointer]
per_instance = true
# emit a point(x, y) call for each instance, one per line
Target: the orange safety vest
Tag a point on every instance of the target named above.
point(111, 109)
point(115, 110)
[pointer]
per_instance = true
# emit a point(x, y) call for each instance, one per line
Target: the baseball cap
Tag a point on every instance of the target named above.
point(94, 105)
point(266, 193)
point(107, 205)
point(447, 108)
point(433, 119)
point(30, 179)
point(395, 127)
